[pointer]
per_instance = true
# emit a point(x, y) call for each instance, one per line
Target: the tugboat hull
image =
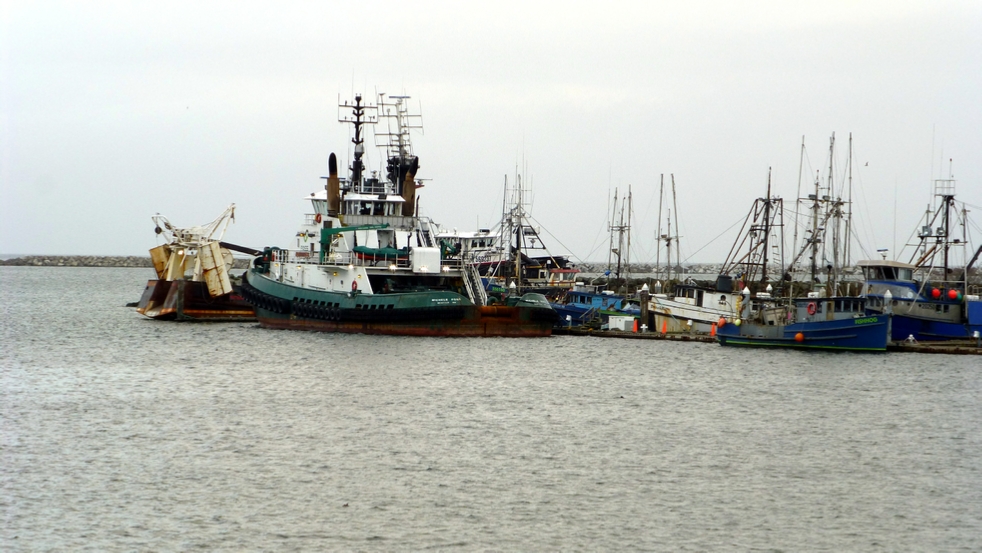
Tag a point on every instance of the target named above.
point(282, 306)
point(470, 322)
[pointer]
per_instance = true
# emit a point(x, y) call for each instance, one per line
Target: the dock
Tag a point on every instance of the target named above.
point(675, 337)
point(953, 347)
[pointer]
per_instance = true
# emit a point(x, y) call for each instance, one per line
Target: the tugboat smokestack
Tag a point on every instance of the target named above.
point(409, 189)
point(333, 187)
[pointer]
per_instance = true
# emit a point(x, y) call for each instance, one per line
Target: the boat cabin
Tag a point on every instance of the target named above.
point(691, 294)
point(827, 309)
point(893, 276)
point(593, 297)
point(887, 270)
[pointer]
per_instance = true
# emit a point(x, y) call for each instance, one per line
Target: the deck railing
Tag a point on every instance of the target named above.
point(303, 257)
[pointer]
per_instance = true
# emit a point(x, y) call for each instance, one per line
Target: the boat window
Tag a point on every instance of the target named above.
point(906, 274)
point(946, 308)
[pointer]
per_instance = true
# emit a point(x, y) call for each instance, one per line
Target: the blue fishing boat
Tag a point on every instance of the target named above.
point(929, 297)
point(921, 311)
point(585, 303)
point(838, 323)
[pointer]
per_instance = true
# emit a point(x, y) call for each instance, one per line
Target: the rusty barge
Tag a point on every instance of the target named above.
point(193, 280)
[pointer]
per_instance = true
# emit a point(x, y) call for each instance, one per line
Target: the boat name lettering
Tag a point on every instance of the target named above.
point(867, 320)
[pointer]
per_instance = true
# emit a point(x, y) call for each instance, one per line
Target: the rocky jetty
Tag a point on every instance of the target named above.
point(93, 261)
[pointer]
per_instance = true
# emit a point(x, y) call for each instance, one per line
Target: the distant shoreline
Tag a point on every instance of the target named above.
point(124, 261)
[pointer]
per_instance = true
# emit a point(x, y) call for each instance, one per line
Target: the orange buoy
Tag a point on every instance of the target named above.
point(722, 321)
point(712, 330)
point(799, 337)
point(664, 327)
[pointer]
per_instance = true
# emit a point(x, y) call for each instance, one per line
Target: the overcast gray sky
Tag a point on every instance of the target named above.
point(111, 112)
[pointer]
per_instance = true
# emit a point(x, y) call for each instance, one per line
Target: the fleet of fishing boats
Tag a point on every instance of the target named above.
point(365, 260)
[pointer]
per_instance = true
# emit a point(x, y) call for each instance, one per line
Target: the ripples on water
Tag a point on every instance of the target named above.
point(120, 433)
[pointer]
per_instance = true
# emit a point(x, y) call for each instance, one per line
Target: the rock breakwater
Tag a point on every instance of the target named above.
point(134, 261)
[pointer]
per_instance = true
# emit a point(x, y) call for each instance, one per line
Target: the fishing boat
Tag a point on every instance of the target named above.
point(692, 307)
point(821, 319)
point(513, 251)
point(193, 274)
point(598, 303)
point(586, 303)
point(365, 261)
point(836, 323)
point(938, 305)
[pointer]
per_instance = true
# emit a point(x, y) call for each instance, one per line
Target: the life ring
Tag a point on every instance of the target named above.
point(812, 308)
point(317, 218)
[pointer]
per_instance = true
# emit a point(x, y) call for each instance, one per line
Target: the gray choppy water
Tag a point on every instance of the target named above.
point(120, 433)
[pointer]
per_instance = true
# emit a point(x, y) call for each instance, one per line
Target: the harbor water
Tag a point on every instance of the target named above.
point(119, 433)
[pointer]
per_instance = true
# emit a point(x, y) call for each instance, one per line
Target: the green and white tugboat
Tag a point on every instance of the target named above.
point(364, 261)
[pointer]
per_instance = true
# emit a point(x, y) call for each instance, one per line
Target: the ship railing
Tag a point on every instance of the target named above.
point(304, 257)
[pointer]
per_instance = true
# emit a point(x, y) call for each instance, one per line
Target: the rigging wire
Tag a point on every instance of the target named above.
point(717, 237)
point(558, 241)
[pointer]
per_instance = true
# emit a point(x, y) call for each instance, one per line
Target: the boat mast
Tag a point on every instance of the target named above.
point(623, 249)
point(620, 238)
point(658, 235)
point(847, 254)
point(832, 205)
point(629, 209)
point(675, 205)
point(767, 227)
point(948, 197)
point(668, 246)
point(518, 237)
point(941, 234)
point(358, 166)
point(502, 233)
point(766, 214)
point(814, 239)
point(801, 164)
point(611, 250)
